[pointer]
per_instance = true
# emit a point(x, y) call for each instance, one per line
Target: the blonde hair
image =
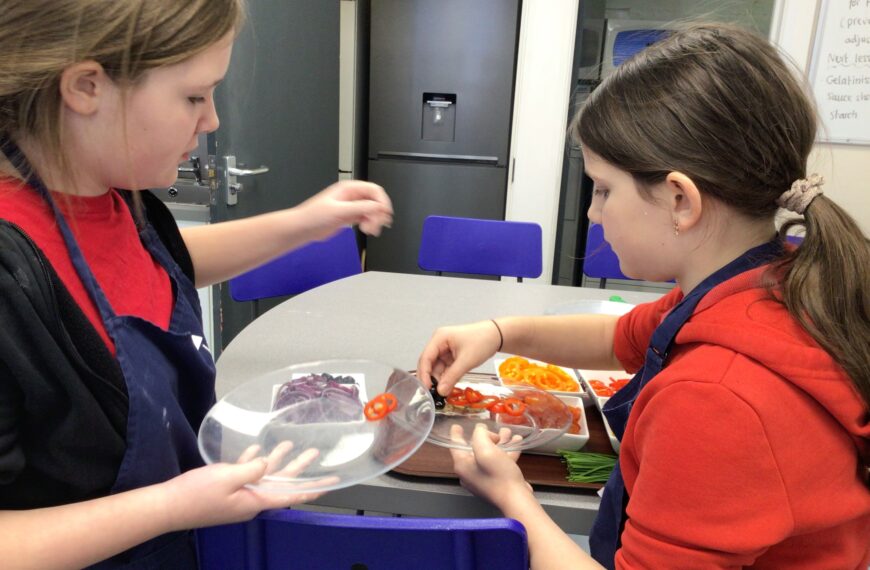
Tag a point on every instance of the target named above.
point(41, 38)
point(719, 104)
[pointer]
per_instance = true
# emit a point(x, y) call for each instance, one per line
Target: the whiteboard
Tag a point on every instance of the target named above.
point(840, 71)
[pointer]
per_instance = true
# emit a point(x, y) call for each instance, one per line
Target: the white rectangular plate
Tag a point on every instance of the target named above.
point(603, 375)
point(569, 441)
point(581, 392)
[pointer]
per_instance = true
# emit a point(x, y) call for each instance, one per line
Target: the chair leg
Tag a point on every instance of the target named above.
point(602, 284)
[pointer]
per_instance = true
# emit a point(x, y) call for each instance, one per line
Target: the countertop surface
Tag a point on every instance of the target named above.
point(389, 317)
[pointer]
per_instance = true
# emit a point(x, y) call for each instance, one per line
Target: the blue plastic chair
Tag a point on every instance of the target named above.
point(302, 269)
point(309, 540)
point(481, 247)
point(599, 261)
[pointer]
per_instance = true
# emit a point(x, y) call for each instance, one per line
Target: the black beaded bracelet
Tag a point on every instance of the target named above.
point(500, 336)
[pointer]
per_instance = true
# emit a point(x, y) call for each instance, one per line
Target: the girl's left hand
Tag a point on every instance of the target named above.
point(348, 202)
point(487, 471)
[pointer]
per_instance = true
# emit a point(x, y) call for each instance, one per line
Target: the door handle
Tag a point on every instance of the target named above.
point(247, 171)
point(233, 186)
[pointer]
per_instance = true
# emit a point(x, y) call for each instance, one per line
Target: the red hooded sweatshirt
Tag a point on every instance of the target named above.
point(748, 449)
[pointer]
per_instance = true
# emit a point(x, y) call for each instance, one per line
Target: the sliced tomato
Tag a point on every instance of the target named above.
point(457, 401)
point(472, 395)
point(484, 403)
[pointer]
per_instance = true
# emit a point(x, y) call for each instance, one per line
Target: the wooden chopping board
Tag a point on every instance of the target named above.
point(539, 470)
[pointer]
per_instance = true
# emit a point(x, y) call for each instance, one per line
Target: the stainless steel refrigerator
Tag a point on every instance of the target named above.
point(440, 99)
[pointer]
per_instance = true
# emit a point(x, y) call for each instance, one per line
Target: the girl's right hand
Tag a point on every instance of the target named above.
point(219, 494)
point(347, 202)
point(488, 471)
point(453, 351)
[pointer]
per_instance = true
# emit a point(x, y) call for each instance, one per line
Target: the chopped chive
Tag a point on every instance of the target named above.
point(586, 467)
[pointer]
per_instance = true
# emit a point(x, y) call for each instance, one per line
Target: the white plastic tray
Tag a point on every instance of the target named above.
point(568, 441)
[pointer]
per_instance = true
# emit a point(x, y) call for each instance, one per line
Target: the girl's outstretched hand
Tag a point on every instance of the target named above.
point(453, 351)
point(348, 202)
point(218, 494)
point(487, 471)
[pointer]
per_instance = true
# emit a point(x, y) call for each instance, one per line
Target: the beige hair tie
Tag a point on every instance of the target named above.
point(802, 191)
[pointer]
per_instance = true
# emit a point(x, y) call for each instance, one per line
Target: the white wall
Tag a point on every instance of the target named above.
point(543, 84)
point(347, 91)
point(845, 167)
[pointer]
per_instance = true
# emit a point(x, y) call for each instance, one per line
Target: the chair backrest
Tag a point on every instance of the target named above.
point(303, 539)
point(599, 260)
point(302, 269)
point(481, 247)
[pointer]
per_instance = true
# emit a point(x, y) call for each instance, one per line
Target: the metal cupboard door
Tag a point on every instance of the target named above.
point(419, 189)
point(278, 107)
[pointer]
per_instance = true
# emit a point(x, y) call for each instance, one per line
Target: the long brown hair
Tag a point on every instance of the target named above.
point(41, 38)
point(718, 103)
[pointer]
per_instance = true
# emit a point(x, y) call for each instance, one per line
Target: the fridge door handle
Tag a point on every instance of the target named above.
point(471, 159)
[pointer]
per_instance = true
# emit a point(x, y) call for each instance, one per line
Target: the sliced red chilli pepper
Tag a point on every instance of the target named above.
point(379, 406)
point(390, 399)
point(514, 407)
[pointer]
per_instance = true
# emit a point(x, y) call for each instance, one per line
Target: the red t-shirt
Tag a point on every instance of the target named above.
point(132, 281)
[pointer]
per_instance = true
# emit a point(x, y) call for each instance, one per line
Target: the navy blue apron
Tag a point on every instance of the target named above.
point(604, 540)
point(170, 376)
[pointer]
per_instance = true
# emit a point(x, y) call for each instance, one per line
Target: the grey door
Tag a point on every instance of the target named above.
point(278, 107)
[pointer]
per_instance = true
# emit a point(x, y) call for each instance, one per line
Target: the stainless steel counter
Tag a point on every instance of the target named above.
point(389, 317)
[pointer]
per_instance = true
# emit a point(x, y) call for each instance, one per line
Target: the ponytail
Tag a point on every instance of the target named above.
point(826, 287)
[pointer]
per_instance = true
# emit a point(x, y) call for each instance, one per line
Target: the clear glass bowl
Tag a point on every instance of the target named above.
point(544, 418)
point(326, 433)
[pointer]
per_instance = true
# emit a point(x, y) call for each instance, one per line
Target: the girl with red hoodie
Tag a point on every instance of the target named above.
point(744, 434)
